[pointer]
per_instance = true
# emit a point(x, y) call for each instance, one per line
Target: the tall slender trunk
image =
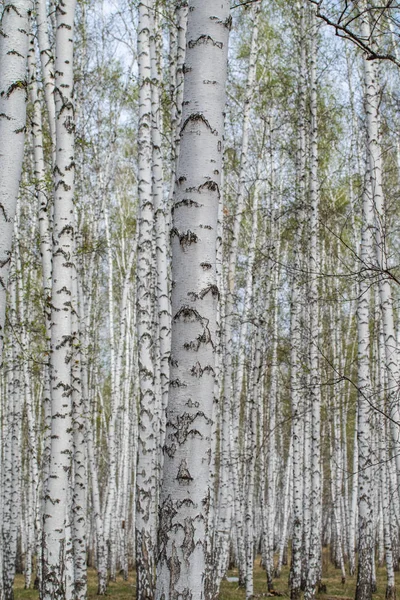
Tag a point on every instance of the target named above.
point(13, 85)
point(57, 544)
point(372, 101)
point(315, 550)
point(365, 509)
point(299, 414)
point(79, 494)
point(233, 385)
point(148, 457)
point(186, 485)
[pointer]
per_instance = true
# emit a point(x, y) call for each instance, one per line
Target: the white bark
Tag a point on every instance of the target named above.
point(372, 100)
point(48, 68)
point(365, 534)
point(12, 458)
point(148, 457)
point(57, 543)
point(79, 494)
point(315, 549)
point(383, 459)
point(295, 334)
point(232, 386)
point(13, 84)
point(186, 492)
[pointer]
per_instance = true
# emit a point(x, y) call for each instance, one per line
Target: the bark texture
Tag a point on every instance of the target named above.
point(186, 491)
point(14, 29)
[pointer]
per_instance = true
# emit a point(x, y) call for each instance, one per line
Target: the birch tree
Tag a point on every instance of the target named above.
point(147, 464)
point(13, 91)
point(57, 573)
point(185, 489)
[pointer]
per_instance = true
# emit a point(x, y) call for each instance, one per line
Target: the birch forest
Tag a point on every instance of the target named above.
point(199, 299)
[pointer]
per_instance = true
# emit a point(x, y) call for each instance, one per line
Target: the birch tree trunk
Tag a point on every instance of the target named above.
point(57, 544)
point(295, 334)
point(233, 385)
point(315, 549)
point(14, 34)
point(79, 496)
point(383, 458)
point(365, 510)
point(372, 101)
point(185, 492)
point(148, 460)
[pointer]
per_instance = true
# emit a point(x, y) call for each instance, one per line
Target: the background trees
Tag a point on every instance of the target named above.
point(292, 304)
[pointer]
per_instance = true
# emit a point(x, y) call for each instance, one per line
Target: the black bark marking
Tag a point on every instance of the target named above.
point(186, 594)
point(68, 229)
point(174, 567)
point(17, 85)
point(69, 123)
point(183, 472)
point(210, 185)
point(185, 239)
point(206, 266)
point(177, 383)
point(188, 314)
point(205, 39)
point(183, 424)
point(211, 288)
point(198, 371)
point(15, 53)
point(4, 262)
point(196, 117)
point(192, 404)
point(203, 338)
point(62, 183)
point(9, 7)
point(227, 23)
point(185, 502)
point(166, 516)
point(187, 202)
point(188, 544)
point(3, 210)
point(170, 450)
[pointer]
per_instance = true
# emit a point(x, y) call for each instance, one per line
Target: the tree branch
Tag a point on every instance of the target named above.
point(343, 31)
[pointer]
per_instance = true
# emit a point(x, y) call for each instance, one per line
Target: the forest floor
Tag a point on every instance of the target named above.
point(335, 590)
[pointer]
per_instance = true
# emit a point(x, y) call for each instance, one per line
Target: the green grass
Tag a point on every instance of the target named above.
point(125, 590)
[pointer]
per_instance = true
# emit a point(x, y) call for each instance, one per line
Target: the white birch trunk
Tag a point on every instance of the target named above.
point(383, 459)
point(13, 84)
point(365, 509)
point(286, 509)
point(57, 551)
point(148, 457)
point(185, 491)
point(79, 494)
point(295, 334)
point(48, 68)
point(232, 390)
point(372, 100)
point(12, 462)
point(315, 549)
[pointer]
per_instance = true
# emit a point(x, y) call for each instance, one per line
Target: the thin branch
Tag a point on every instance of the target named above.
point(244, 3)
point(343, 31)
